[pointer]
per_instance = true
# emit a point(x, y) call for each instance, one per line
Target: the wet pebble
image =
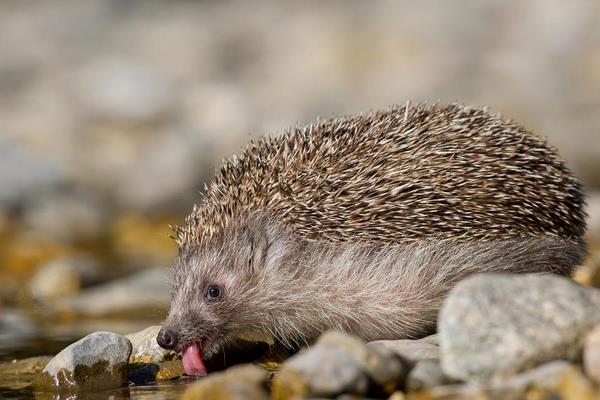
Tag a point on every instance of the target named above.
point(239, 382)
point(96, 362)
point(499, 324)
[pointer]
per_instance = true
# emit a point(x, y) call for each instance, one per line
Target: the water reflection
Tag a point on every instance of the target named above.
point(157, 390)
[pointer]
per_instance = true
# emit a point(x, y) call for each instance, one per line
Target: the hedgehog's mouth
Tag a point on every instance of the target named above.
point(191, 355)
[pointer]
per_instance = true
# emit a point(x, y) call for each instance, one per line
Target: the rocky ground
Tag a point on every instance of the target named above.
point(500, 336)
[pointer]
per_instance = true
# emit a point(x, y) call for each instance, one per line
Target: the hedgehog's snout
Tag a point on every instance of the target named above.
point(167, 339)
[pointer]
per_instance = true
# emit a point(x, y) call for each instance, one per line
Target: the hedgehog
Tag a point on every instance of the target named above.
point(363, 224)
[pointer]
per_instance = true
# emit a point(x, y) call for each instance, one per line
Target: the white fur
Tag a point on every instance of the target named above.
point(300, 288)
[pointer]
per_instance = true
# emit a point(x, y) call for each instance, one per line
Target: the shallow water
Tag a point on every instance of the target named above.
point(160, 390)
point(49, 340)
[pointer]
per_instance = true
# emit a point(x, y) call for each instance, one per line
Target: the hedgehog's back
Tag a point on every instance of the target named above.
point(400, 175)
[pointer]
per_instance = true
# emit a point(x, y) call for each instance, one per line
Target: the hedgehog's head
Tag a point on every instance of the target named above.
point(217, 292)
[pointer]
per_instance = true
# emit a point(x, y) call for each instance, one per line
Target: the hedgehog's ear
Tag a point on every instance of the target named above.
point(259, 245)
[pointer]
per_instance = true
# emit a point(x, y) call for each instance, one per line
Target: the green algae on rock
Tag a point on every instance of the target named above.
point(96, 362)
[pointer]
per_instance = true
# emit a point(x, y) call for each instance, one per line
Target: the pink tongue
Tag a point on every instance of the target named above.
point(192, 360)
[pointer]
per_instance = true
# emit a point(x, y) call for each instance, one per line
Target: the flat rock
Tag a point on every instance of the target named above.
point(145, 349)
point(238, 382)
point(499, 324)
point(320, 372)
point(96, 362)
point(413, 350)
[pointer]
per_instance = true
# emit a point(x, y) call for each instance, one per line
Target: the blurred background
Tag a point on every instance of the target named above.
point(114, 113)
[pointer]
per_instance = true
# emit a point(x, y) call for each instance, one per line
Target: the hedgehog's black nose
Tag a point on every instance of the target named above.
point(167, 339)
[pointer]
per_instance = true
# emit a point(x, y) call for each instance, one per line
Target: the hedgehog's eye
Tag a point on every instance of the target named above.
point(213, 292)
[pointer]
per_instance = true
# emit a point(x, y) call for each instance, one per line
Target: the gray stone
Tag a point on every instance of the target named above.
point(145, 347)
point(320, 371)
point(499, 324)
point(413, 350)
point(143, 292)
point(426, 374)
point(96, 362)
point(383, 366)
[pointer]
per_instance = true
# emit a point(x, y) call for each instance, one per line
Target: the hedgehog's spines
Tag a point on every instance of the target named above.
point(405, 174)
